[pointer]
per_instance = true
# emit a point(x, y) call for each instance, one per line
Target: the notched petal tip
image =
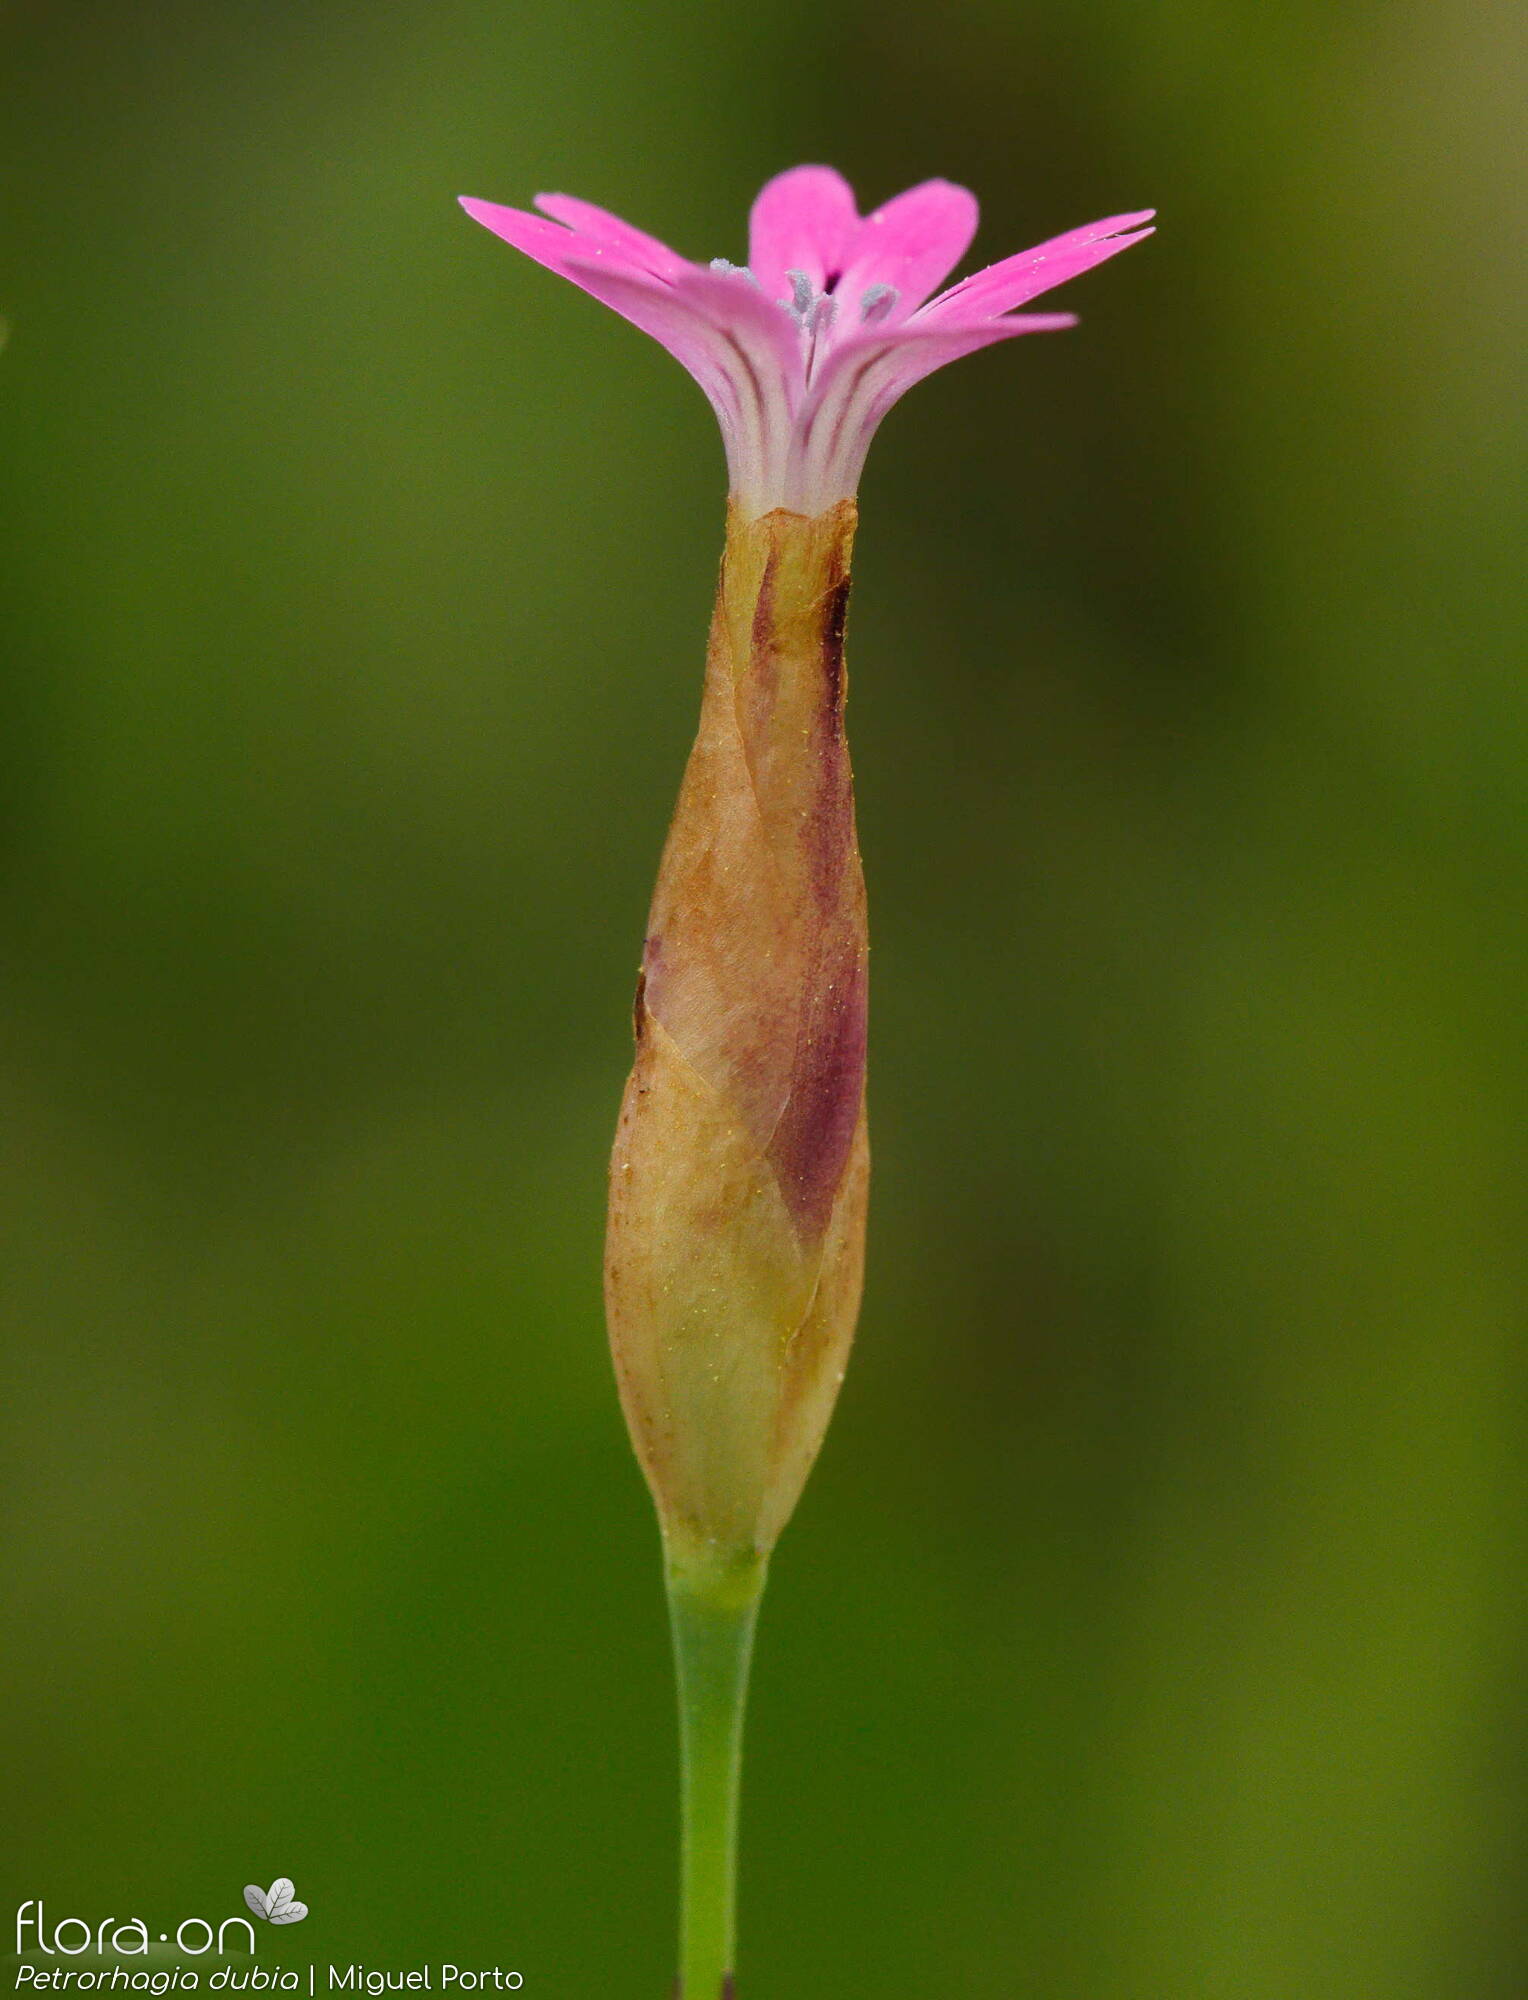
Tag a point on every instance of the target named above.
point(931, 203)
point(546, 242)
point(914, 240)
point(496, 216)
point(1013, 281)
point(612, 235)
point(805, 218)
point(812, 184)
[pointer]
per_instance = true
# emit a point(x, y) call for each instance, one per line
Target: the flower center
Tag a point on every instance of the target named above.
point(814, 309)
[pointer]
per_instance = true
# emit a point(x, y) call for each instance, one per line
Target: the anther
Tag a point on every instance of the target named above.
point(878, 302)
point(823, 314)
point(726, 269)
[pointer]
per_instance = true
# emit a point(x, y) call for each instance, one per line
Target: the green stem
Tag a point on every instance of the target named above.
point(713, 1605)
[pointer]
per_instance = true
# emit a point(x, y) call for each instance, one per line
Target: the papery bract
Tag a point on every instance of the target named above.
point(738, 1181)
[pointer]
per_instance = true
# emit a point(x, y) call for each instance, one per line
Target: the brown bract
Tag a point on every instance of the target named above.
point(737, 1200)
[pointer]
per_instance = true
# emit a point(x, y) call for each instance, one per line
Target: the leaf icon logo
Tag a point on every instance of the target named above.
point(276, 1905)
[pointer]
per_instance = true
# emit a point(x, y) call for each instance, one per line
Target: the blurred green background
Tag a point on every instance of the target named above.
point(1153, 1627)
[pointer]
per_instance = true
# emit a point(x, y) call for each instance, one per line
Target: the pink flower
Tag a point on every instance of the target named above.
point(805, 348)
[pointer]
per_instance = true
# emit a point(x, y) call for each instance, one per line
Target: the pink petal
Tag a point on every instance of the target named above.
point(911, 243)
point(547, 242)
point(719, 312)
point(745, 353)
point(610, 274)
point(612, 233)
point(586, 261)
point(556, 247)
point(802, 220)
point(1112, 225)
point(658, 309)
point(918, 350)
point(1015, 280)
point(868, 374)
